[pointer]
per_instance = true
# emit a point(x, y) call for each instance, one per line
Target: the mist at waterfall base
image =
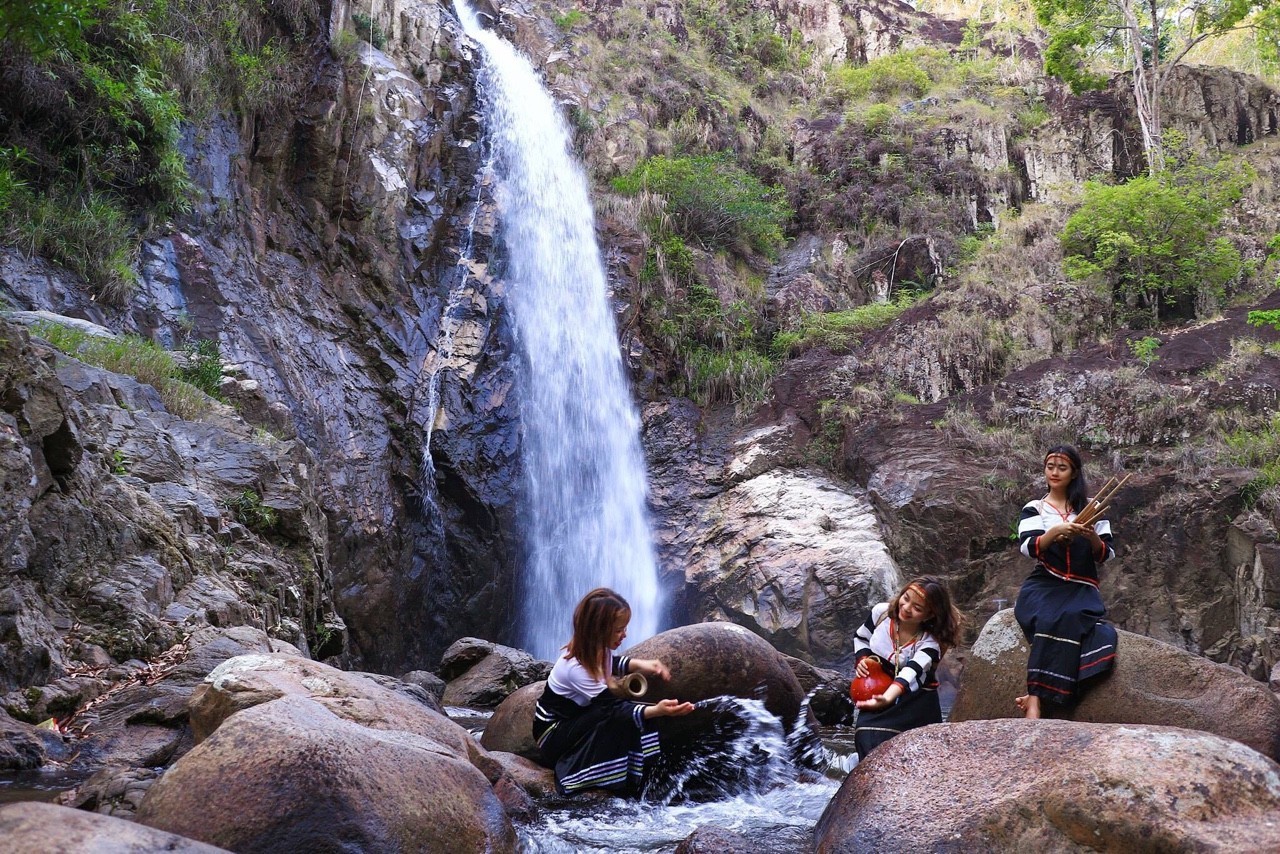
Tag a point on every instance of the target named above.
point(585, 483)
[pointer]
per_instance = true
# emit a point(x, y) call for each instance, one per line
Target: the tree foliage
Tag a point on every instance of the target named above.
point(1151, 239)
point(1150, 38)
point(41, 26)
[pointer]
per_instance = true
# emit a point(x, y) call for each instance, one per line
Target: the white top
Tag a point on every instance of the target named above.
point(570, 679)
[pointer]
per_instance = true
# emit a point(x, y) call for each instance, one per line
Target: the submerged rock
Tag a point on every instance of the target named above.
point(1055, 786)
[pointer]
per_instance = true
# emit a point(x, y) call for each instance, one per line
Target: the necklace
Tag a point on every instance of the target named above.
point(895, 631)
point(1065, 516)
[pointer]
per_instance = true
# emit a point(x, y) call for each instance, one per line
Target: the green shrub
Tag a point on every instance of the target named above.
point(252, 513)
point(134, 356)
point(204, 366)
point(1150, 240)
point(1257, 449)
point(895, 75)
point(1144, 350)
point(369, 30)
point(1265, 317)
point(839, 331)
point(714, 201)
point(89, 234)
point(42, 26)
point(569, 19)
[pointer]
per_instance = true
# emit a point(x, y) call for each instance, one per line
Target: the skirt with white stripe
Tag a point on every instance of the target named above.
point(605, 747)
point(917, 709)
point(1070, 641)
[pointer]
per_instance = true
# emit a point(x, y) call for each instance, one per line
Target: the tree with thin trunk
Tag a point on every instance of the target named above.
point(1150, 37)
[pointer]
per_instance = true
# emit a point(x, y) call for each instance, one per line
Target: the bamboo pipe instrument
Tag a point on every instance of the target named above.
point(1098, 505)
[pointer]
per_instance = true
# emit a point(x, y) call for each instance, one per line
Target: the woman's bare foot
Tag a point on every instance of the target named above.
point(1030, 705)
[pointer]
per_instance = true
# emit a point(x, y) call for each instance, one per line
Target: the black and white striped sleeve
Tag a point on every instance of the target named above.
point(1030, 528)
point(911, 675)
point(862, 637)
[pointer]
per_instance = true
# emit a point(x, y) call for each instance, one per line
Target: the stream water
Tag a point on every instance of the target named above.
point(756, 782)
point(585, 479)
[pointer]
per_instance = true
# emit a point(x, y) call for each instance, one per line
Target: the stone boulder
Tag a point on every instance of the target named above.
point(23, 746)
point(1015, 785)
point(1153, 683)
point(250, 680)
point(481, 674)
point(716, 659)
point(511, 728)
point(291, 775)
point(36, 828)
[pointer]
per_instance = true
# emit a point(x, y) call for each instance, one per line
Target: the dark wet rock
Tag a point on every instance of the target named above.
point(23, 746)
point(1054, 785)
point(36, 828)
point(482, 674)
point(710, 839)
point(427, 681)
point(1153, 683)
point(113, 791)
point(291, 774)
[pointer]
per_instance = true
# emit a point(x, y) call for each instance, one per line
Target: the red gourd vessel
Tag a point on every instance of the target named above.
point(875, 682)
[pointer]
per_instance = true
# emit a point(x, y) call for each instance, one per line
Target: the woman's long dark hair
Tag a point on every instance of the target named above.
point(945, 621)
point(1078, 488)
point(594, 622)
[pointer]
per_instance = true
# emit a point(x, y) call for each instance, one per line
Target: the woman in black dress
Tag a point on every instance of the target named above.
point(1059, 607)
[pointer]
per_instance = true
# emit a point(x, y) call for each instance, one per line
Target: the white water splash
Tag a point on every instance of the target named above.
point(584, 470)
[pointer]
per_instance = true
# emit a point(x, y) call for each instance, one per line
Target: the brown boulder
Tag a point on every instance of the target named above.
point(715, 659)
point(511, 728)
point(1014, 785)
point(290, 775)
point(482, 674)
point(250, 680)
point(36, 828)
point(1153, 683)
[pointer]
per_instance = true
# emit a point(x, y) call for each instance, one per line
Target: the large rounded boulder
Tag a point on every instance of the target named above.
point(250, 680)
point(1152, 683)
point(291, 775)
point(1052, 785)
point(510, 729)
point(38, 828)
point(710, 660)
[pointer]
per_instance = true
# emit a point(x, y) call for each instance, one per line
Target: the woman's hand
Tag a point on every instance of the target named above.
point(861, 670)
point(1062, 532)
point(882, 701)
point(667, 709)
point(650, 667)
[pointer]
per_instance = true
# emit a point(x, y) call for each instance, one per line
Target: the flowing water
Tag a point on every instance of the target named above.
point(584, 471)
point(747, 777)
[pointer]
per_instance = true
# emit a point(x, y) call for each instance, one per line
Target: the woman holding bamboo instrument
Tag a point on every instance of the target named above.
point(1059, 607)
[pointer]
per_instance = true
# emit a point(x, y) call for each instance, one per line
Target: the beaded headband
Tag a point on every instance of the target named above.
point(1062, 457)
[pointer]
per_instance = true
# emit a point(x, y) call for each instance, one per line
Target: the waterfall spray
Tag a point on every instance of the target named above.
point(584, 471)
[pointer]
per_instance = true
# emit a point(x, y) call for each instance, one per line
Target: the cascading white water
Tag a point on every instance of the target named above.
point(584, 470)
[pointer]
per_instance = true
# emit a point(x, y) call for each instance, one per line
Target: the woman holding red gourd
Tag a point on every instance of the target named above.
point(905, 637)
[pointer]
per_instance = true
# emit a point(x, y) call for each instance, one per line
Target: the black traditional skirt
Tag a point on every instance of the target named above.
point(917, 709)
point(600, 748)
point(1070, 641)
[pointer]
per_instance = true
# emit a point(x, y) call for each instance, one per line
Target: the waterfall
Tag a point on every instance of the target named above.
point(584, 471)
